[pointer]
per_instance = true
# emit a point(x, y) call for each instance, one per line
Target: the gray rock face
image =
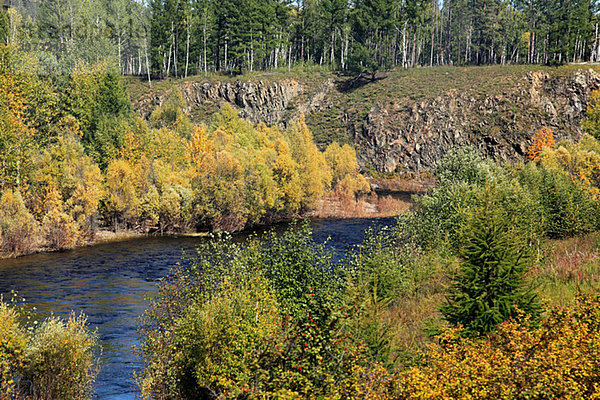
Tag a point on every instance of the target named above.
point(500, 126)
point(398, 135)
point(256, 101)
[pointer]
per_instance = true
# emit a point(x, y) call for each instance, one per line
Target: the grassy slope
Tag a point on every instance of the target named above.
point(405, 87)
point(563, 269)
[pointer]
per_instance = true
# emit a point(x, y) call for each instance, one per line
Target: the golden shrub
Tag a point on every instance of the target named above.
point(60, 230)
point(56, 360)
point(560, 359)
point(122, 197)
point(20, 231)
point(347, 180)
point(13, 341)
point(61, 360)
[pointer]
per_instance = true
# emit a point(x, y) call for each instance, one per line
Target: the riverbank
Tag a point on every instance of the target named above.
point(107, 236)
point(372, 205)
point(100, 236)
point(388, 198)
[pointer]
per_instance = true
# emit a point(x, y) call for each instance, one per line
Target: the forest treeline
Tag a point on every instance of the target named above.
point(75, 158)
point(163, 38)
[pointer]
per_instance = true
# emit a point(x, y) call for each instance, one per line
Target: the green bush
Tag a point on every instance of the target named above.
point(379, 272)
point(171, 115)
point(568, 208)
point(464, 164)
point(217, 344)
point(461, 177)
point(549, 200)
point(296, 266)
point(438, 215)
point(264, 317)
point(379, 264)
point(108, 139)
point(55, 360)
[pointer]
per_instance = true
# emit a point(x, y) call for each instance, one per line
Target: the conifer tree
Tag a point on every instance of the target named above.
point(490, 286)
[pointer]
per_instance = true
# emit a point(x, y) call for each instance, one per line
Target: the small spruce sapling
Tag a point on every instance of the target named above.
point(490, 286)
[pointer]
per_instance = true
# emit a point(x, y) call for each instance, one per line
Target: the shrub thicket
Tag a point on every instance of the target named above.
point(466, 165)
point(18, 228)
point(56, 359)
point(264, 319)
point(568, 209)
point(462, 176)
point(13, 343)
point(379, 271)
point(59, 228)
point(60, 360)
point(240, 322)
point(277, 317)
point(556, 359)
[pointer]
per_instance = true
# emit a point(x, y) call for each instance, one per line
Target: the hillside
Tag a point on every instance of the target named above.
point(405, 120)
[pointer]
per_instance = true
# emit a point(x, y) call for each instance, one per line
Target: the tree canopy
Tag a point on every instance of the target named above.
point(178, 38)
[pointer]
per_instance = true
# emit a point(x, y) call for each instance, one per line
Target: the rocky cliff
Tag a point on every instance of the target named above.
point(407, 121)
point(395, 137)
point(256, 101)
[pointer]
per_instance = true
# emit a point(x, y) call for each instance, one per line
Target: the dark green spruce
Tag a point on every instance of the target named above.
point(490, 286)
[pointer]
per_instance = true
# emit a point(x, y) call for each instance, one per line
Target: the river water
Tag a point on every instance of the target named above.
point(112, 284)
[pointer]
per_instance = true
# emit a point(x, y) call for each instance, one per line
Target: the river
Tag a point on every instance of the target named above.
point(112, 284)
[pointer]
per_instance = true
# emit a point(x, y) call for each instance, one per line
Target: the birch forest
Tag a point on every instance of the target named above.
point(178, 38)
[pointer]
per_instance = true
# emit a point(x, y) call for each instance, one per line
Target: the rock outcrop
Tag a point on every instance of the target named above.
point(394, 137)
point(258, 101)
point(400, 134)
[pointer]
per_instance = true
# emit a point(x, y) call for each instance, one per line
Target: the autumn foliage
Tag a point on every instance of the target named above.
point(76, 159)
point(557, 359)
point(53, 359)
point(544, 138)
point(278, 318)
point(18, 228)
point(258, 320)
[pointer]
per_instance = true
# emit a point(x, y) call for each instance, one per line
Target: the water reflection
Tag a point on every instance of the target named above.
point(111, 283)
